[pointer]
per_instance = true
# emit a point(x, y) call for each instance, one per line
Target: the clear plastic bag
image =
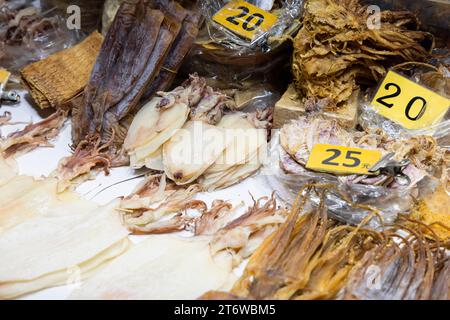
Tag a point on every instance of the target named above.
point(342, 198)
point(287, 12)
point(25, 41)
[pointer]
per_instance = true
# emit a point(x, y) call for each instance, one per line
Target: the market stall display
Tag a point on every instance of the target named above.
point(208, 149)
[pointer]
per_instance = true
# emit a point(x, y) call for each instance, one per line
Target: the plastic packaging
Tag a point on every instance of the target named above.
point(28, 35)
point(287, 12)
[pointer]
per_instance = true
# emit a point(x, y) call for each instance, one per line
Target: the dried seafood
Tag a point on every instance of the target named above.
point(54, 244)
point(89, 154)
point(313, 257)
point(154, 199)
point(57, 79)
point(156, 268)
point(298, 137)
point(33, 135)
point(139, 43)
point(336, 50)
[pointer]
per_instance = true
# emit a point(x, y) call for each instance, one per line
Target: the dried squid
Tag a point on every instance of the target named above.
point(64, 233)
point(33, 135)
point(167, 267)
point(336, 49)
point(313, 257)
point(298, 137)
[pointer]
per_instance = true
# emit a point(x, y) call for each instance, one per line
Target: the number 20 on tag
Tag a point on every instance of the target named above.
point(244, 19)
point(340, 159)
point(409, 104)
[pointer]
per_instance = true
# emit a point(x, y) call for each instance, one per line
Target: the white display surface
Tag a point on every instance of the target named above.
point(42, 161)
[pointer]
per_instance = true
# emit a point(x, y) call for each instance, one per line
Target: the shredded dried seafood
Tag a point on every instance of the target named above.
point(5, 118)
point(33, 135)
point(298, 137)
point(313, 257)
point(336, 50)
point(8, 170)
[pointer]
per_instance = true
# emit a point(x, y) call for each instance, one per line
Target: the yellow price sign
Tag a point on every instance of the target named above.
point(4, 76)
point(408, 103)
point(341, 159)
point(244, 19)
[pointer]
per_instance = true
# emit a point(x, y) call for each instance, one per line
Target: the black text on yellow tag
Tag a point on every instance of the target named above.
point(340, 159)
point(409, 104)
point(244, 19)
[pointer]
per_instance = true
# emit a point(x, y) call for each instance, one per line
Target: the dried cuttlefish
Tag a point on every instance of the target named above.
point(298, 137)
point(157, 267)
point(33, 135)
point(313, 257)
point(337, 48)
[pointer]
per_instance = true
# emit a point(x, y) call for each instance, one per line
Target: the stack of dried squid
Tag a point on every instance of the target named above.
point(141, 54)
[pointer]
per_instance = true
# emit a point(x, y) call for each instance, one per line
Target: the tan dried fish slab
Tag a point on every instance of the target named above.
point(60, 77)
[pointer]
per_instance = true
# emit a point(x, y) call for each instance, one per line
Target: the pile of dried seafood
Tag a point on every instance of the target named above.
point(156, 268)
point(298, 137)
point(337, 49)
point(184, 134)
point(313, 257)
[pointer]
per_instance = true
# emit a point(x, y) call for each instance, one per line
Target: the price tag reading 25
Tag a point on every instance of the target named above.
point(244, 19)
point(340, 159)
point(409, 104)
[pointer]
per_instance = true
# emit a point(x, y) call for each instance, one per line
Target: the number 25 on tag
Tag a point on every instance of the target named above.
point(340, 159)
point(409, 104)
point(244, 19)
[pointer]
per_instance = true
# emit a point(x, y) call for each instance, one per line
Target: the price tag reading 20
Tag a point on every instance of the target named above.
point(244, 19)
point(340, 159)
point(409, 104)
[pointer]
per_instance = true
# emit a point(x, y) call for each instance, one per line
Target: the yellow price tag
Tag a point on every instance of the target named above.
point(244, 19)
point(408, 103)
point(340, 159)
point(4, 76)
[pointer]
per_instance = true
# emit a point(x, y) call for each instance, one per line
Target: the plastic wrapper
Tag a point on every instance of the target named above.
point(342, 198)
point(286, 11)
point(28, 35)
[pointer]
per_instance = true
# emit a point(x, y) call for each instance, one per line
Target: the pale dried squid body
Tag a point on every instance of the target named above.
point(192, 150)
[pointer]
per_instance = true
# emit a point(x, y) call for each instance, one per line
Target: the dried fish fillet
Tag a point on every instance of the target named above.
point(33, 135)
point(55, 80)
